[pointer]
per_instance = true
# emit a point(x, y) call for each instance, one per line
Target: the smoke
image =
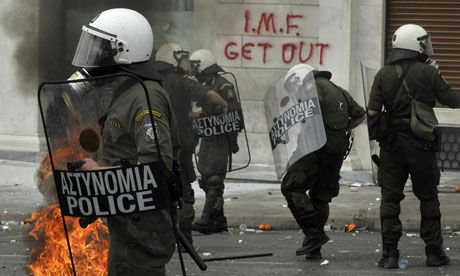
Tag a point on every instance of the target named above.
point(19, 23)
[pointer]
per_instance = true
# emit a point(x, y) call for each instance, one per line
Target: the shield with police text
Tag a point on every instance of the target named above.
point(294, 121)
point(223, 143)
point(94, 119)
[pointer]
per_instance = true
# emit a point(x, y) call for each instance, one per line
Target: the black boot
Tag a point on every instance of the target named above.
point(204, 225)
point(436, 257)
point(390, 258)
point(314, 239)
point(314, 255)
point(220, 223)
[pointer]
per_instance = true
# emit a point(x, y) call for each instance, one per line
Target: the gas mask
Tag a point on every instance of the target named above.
point(183, 60)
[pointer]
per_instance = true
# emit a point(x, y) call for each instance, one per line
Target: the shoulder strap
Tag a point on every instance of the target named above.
point(397, 85)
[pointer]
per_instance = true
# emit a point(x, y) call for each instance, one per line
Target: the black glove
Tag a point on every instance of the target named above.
point(234, 148)
point(233, 141)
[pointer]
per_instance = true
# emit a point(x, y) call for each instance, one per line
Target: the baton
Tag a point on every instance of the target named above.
point(191, 250)
point(237, 257)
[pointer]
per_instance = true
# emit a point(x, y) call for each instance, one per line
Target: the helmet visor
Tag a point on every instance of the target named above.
point(425, 42)
point(94, 51)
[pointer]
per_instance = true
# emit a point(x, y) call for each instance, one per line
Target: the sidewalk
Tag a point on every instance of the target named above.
point(252, 196)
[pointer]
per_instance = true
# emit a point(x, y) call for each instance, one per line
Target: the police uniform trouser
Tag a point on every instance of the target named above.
point(186, 214)
point(140, 247)
point(212, 164)
point(407, 156)
point(318, 173)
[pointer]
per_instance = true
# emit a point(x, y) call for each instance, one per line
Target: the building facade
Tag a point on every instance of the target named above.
point(257, 40)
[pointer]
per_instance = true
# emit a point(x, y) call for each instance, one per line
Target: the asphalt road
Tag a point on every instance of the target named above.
point(346, 254)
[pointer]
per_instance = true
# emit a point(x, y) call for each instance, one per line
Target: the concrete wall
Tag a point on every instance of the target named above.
point(19, 32)
point(259, 41)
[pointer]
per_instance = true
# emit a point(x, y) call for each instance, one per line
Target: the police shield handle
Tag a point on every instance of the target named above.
point(75, 165)
point(89, 140)
point(376, 159)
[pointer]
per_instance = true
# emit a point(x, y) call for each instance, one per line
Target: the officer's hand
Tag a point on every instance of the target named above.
point(220, 110)
point(234, 148)
point(224, 109)
point(216, 100)
point(432, 62)
point(90, 165)
point(195, 115)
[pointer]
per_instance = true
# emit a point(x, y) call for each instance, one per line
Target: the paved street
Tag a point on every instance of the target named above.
point(346, 253)
point(253, 202)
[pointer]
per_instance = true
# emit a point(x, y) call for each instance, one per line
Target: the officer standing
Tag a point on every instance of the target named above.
point(401, 152)
point(214, 153)
point(120, 40)
point(319, 172)
point(174, 64)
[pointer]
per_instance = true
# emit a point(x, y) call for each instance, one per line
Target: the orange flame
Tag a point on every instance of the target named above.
point(89, 246)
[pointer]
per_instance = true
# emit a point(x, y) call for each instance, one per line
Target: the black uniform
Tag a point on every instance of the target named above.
point(319, 172)
point(213, 159)
point(402, 153)
point(184, 89)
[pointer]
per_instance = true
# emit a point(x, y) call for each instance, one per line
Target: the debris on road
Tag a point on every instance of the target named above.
point(349, 227)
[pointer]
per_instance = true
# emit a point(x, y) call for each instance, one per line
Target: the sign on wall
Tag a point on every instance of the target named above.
point(269, 36)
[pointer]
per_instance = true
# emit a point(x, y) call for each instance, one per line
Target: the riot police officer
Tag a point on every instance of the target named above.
point(401, 152)
point(319, 171)
point(120, 40)
point(214, 150)
point(174, 64)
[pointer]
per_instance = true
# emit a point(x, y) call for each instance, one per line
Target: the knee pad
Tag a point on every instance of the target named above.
point(215, 181)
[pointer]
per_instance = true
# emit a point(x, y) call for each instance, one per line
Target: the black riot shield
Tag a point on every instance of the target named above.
point(76, 115)
point(294, 122)
point(223, 145)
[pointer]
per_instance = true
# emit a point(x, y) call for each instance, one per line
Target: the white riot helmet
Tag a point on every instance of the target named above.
point(175, 55)
point(412, 37)
point(295, 76)
point(202, 59)
point(115, 36)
